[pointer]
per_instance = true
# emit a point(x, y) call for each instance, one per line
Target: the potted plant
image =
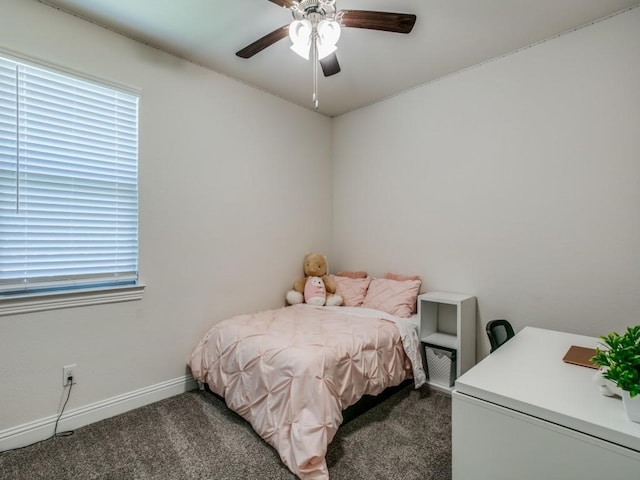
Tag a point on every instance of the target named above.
point(620, 362)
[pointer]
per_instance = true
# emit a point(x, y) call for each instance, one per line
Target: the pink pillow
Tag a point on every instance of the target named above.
point(352, 290)
point(397, 276)
point(396, 297)
point(359, 274)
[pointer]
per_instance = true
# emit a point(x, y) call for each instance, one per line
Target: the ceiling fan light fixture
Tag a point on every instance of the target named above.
point(328, 32)
point(328, 35)
point(300, 35)
point(325, 50)
point(302, 49)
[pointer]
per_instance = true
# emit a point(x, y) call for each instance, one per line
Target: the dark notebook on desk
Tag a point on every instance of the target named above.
point(580, 356)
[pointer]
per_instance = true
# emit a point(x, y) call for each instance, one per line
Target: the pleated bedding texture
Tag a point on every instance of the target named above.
point(291, 371)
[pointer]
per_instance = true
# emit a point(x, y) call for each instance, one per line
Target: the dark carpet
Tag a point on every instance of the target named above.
point(195, 436)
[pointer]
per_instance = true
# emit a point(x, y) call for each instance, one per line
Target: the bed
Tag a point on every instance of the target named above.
point(290, 372)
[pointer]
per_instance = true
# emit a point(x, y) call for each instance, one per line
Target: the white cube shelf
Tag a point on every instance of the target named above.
point(448, 320)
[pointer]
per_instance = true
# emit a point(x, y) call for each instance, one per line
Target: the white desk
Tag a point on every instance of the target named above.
point(524, 413)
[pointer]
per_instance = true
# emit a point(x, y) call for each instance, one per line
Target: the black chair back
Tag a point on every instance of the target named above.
point(499, 332)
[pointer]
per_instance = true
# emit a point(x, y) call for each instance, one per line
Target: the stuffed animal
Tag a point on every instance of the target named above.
point(314, 265)
point(315, 292)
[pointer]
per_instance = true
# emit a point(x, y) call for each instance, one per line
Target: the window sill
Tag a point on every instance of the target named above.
point(79, 298)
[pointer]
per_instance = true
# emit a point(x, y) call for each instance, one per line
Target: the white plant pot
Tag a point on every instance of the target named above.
point(631, 406)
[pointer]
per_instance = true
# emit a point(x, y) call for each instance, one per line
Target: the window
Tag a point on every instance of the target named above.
point(68, 183)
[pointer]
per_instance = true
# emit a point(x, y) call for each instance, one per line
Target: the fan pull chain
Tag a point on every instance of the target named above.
point(314, 60)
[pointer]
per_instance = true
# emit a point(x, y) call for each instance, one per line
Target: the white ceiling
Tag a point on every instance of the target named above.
point(449, 35)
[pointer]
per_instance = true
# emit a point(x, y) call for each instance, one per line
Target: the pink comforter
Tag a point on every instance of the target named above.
point(290, 372)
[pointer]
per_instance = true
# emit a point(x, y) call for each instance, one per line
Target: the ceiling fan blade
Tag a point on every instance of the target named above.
point(330, 65)
point(264, 42)
point(283, 3)
point(389, 22)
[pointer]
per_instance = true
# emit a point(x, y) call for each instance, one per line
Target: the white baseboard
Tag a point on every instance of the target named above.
point(440, 388)
point(42, 429)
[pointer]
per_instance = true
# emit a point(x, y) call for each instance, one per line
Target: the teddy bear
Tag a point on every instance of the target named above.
point(314, 265)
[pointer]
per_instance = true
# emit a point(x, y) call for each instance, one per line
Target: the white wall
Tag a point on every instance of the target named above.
point(224, 218)
point(517, 181)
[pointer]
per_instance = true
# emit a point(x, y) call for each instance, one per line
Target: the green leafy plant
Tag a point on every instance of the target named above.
point(620, 358)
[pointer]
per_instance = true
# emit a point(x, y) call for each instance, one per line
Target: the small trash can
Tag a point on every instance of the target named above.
point(441, 365)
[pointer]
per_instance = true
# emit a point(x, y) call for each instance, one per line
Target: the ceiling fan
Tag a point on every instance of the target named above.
point(315, 31)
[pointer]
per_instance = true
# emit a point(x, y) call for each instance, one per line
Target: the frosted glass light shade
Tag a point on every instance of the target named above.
point(300, 35)
point(324, 50)
point(328, 35)
point(328, 32)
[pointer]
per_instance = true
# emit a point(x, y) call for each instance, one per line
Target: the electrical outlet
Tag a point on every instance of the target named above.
point(69, 371)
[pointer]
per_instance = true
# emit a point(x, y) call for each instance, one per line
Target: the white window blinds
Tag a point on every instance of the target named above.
point(68, 182)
